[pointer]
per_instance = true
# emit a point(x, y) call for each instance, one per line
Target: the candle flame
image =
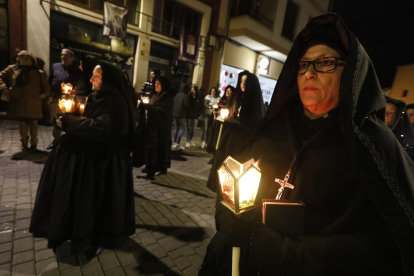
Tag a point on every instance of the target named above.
point(145, 100)
point(215, 106)
point(224, 113)
point(68, 106)
point(248, 186)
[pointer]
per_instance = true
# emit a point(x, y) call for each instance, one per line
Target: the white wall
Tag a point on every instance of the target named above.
point(239, 57)
point(38, 30)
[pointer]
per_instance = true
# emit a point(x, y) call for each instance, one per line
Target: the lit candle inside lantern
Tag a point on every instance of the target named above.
point(224, 113)
point(81, 108)
point(145, 100)
point(62, 105)
point(68, 106)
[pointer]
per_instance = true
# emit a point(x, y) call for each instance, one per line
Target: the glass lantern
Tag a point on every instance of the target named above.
point(239, 184)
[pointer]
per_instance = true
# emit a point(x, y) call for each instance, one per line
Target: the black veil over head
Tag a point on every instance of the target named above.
point(114, 82)
point(251, 100)
point(384, 166)
point(165, 83)
point(402, 128)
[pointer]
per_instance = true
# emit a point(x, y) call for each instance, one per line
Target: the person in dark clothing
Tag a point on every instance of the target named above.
point(248, 108)
point(357, 182)
point(154, 137)
point(179, 115)
point(86, 193)
point(410, 112)
point(193, 105)
point(147, 89)
point(228, 101)
point(249, 99)
point(396, 118)
point(67, 72)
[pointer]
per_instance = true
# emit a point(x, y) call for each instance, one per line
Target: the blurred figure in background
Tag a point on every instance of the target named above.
point(147, 89)
point(66, 71)
point(193, 105)
point(410, 112)
point(154, 137)
point(399, 122)
point(26, 86)
point(179, 115)
point(210, 100)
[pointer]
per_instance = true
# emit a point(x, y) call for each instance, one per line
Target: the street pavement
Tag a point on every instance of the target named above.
point(174, 217)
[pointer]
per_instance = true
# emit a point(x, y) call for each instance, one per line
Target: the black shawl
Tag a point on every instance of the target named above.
point(85, 193)
point(154, 131)
point(380, 163)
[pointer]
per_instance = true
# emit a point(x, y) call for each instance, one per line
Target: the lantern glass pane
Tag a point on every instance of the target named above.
point(235, 167)
point(248, 186)
point(227, 185)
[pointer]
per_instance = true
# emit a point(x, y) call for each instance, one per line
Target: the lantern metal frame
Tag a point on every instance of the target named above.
point(236, 187)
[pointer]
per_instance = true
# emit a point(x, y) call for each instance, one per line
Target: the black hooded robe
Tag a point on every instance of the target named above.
point(352, 174)
point(249, 111)
point(85, 193)
point(154, 132)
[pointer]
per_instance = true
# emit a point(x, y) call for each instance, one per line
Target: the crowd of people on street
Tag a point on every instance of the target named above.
point(329, 131)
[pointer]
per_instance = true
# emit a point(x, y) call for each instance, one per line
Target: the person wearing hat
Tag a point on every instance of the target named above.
point(26, 86)
point(325, 133)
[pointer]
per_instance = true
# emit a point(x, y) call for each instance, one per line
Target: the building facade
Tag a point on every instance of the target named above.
point(235, 35)
point(152, 40)
point(256, 35)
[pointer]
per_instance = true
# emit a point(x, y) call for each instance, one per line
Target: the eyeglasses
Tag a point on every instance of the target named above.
point(321, 65)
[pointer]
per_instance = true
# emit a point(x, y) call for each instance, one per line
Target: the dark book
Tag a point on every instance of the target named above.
point(285, 216)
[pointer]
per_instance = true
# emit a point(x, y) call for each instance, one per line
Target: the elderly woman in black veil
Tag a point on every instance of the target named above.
point(85, 193)
point(325, 132)
point(154, 143)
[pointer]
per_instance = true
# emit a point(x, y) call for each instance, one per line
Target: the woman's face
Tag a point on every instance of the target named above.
point(319, 92)
point(193, 92)
point(229, 93)
point(158, 87)
point(243, 83)
point(213, 92)
point(25, 60)
point(390, 114)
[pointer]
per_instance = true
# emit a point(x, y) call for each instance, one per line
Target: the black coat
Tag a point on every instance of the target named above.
point(86, 191)
point(71, 74)
point(154, 132)
point(178, 109)
point(194, 106)
point(354, 177)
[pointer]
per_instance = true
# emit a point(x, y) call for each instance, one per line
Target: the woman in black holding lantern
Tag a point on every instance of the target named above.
point(86, 193)
point(325, 124)
point(246, 106)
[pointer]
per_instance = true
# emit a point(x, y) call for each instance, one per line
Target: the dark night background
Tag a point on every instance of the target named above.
point(385, 29)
